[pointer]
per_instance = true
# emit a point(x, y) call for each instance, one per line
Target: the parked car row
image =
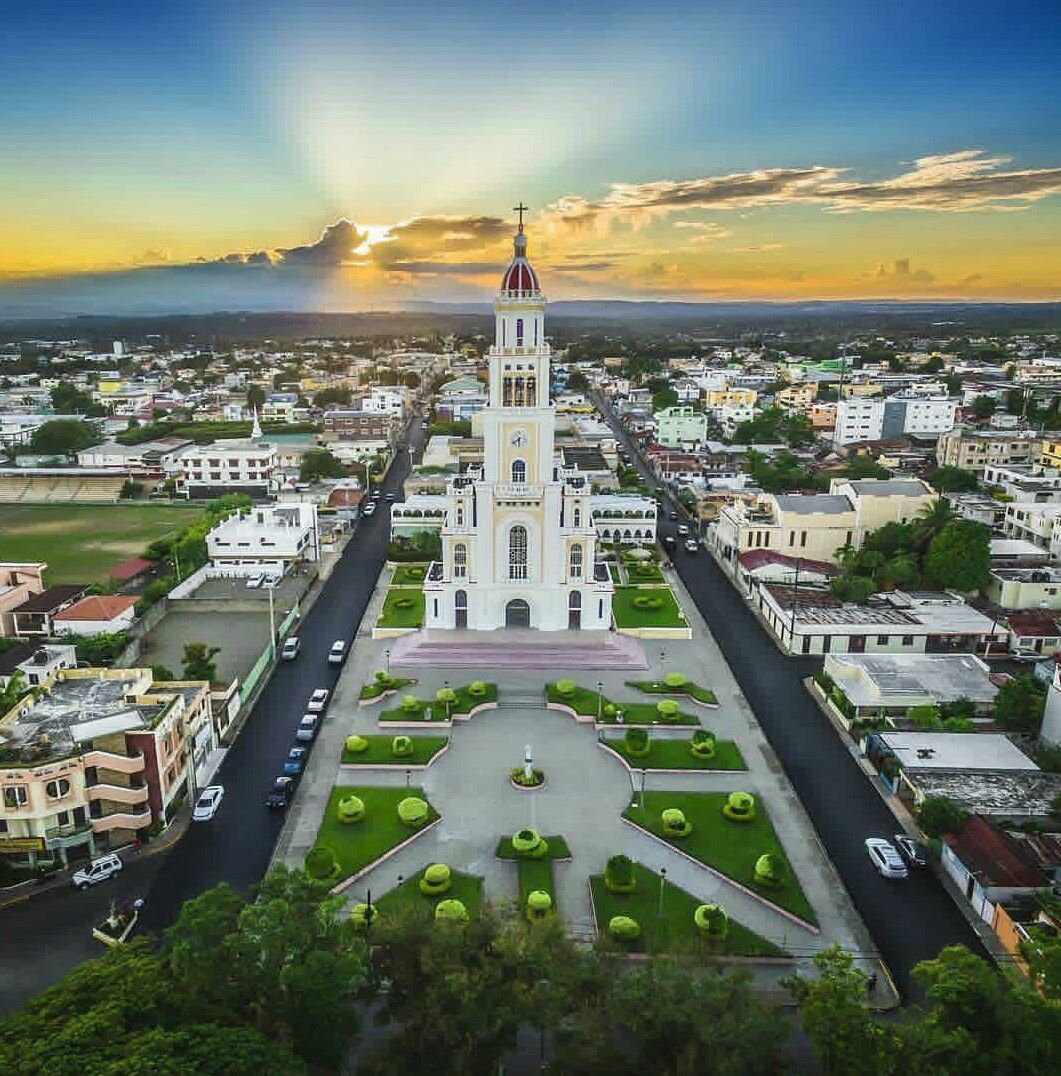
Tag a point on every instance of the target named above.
point(885, 857)
point(283, 786)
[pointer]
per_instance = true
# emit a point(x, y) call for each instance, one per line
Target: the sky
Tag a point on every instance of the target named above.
point(339, 156)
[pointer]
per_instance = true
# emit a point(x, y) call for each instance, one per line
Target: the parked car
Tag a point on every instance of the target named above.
point(337, 654)
point(296, 761)
point(692, 546)
point(99, 870)
point(279, 795)
point(255, 581)
point(683, 531)
point(668, 541)
point(389, 497)
point(369, 509)
point(914, 852)
point(318, 700)
point(1024, 656)
point(672, 515)
point(292, 645)
point(885, 858)
point(308, 728)
point(208, 802)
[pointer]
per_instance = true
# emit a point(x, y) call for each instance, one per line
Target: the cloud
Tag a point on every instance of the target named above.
point(950, 182)
point(425, 239)
point(706, 232)
point(901, 273)
point(759, 248)
point(335, 246)
point(972, 278)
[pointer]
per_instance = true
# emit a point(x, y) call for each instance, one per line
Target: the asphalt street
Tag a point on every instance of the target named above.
point(909, 920)
point(45, 936)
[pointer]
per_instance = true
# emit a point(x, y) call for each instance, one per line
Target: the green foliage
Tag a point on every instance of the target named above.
point(356, 745)
point(320, 863)
point(770, 870)
point(739, 807)
point(349, 810)
point(773, 426)
point(675, 679)
point(1020, 703)
point(623, 928)
point(619, 874)
point(63, 437)
point(97, 650)
point(939, 815)
point(402, 746)
point(565, 688)
point(711, 920)
point(451, 912)
point(675, 824)
point(958, 556)
point(413, 812)
point(667, 709)
point(782, 472)
point(318, 463)
point(529, 844)
point(198, 662)
point(539, 905)
point(953, 480)
point(638, 743)
point(703, 744)
point(68, 399)
point(436, 880)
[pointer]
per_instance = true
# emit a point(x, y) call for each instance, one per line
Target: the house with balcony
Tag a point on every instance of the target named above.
point(94, 758)
point(18, 582)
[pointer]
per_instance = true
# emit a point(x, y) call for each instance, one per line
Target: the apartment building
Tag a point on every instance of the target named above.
point(730, 397)
point(973, 450)
point(269, 538)
point(356, 425)
point(904, 414)
point(1037, 523)
point(94, 758)
point(1024, 482)
point(681, 427)
point(243, 466)
point(1025, 588)
point(797, 397)
point(1050, 454)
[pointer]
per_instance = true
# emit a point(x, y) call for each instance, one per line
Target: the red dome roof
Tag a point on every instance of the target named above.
point(519, 276)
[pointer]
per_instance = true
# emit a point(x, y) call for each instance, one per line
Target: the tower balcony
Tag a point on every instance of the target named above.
point(519, 491)
point(522, 349)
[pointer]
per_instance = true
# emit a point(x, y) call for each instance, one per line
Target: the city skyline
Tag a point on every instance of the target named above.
point(193, 157)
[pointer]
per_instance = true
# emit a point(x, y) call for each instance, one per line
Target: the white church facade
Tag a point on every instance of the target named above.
point(519, 545)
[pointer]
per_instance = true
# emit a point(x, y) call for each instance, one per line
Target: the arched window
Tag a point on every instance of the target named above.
point(519, 391)
point(576, 562)
point(519, 332)
point(460, 560)
point(531, 392)
point(519, 471)
point(517, 552)
point(506, 399)
point(577, 520)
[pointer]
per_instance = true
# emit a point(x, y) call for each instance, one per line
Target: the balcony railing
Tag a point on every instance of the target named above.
point(121, 820)
point(111, 761)
point(520, 491)
point(117, 793)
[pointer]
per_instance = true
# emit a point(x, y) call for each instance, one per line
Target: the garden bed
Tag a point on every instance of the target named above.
point(375, 690)
point(675, 930)
point(379, 752)
point(557, 849)
point(646, 607)
point(535, 874)
point(403, 607)
point(675, 755)
point(409, 575)
point(704, 696)
point(642, 573)
point(358, 845)
point(462, 706)
point(729, 848)
point(584, 702)
point(407, 899)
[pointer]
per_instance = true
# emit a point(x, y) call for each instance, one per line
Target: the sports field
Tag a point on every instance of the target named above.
point(81, 543)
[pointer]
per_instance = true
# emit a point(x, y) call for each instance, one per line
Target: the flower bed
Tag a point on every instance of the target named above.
point(676, 930)
point(730, 848)
point(694, 691)
point(646, 607)
point(379, 751)
point(403, 607)
point(376, 689)
point(355, 846)
point(675, 755)
point(465, 699)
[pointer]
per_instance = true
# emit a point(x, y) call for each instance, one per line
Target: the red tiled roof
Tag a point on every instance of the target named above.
point(129, 569)
point(758, 558)
point(1034, 622)
point(986, 853)
point(345, 498)
point(97, 607)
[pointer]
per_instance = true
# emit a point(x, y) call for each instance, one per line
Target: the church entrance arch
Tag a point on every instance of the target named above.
point(517, 614)
point(574, 611)
point(460, 609)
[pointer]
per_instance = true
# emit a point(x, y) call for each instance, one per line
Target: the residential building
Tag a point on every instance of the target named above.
point(384, 401)
point(238, 466)
point(36, 614)
point(1050, 453)
point(461, 398)
point(797, 397)
point(823, 416)
point(730, 416)
point(977, 507)
point(904, 414)
point(96, 614)
point(1038, 523)
point(1025, 483)
point(973, 450)
point(1025, 588)
point(716, 399)
point(95, 757)
point(681, 427)
point(1035, 631)
point(266, 538)
point(351, 424)
point(280, 406)
point(35, 661)
point(18, 581)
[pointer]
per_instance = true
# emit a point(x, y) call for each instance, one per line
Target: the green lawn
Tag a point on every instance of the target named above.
point(643, 573)
point(357, 845)
point(81, 543)
point(695, 691)
point(397, 614)
point(409, 575)
point(406, 898)
point(729, 847)
point(675, 929)
point(584, 701)
point(536, 874)
point(675, 755)
point(557, 848)
point(613, 571)
point(379, 752)
point(373, 689)
point(628, 615)
point(463, 704)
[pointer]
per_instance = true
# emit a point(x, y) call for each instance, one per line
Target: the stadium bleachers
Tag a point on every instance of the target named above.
point(40, 486)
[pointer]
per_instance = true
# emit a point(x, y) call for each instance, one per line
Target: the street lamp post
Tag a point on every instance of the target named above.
point(600, 698)
point(387, 661)
point(447, 699)
point(662, 885)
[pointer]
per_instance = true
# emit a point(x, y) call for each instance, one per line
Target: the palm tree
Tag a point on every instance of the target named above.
point(931, 520)
point(12, 691)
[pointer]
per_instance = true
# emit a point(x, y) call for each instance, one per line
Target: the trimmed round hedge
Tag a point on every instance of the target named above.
point(529, 844)
point(451, 911)
point(608, 709)
point(413, 812)
point(711, 920)
point(619, 875)
point(539, 905)
point(410, 704)
point(402, 746)
point(624, 928)
point(770, 870)
point(445, 695)
point(403, 603)
point(356, 745)
point(739, 807)
point(637, 742)
point(350, 809)
point(702, 745)
point(675, 823)
point(320, 863)
point(477, 688)
point(646, 602)
point(436, 880)
point(667, 709)
point(675, 679)
point(565, 688)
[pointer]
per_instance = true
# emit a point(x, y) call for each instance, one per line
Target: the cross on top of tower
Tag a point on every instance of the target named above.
point(520, 209)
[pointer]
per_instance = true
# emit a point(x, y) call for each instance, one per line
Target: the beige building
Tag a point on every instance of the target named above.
point(1025, 588)
point(94, 758)
point(973, 450)
point(18, 582)
point(797, 397)
point(717, 398)
point(884, 500)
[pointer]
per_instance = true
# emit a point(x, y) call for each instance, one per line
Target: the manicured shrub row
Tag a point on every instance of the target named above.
point(447, 702)
point(529, 844)
point(380, 684)
point(675, 683)
point(390, 751)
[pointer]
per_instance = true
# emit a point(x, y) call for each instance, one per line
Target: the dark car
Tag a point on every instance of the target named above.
point(672, 515)
point(281, 792)
point(668, 541)
point(914, 852)
point(296, 761)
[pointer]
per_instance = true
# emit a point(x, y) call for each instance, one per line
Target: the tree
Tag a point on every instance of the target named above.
point(954, 480)
point(959, 556)
point(162, 673)
point(984, 406)
point(847, 1038)
point(68, 399)
point(939, 815)
point(255, 397)
point(63, 437)
point(198, 662)
point(663, 398)
point(12, 691)
point(1043, 954)
point(1019, 704)
point(930, 520)
point(853, 588)
point(330, 397)
point(319, 463)
point(577, 381)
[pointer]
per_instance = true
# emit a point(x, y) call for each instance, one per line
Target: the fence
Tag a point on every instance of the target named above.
point(265, 658)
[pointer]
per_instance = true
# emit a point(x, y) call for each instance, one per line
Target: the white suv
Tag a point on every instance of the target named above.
point(885, 858)
point(99, 870)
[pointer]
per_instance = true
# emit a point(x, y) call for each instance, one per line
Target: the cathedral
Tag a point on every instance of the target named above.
point(518, 538)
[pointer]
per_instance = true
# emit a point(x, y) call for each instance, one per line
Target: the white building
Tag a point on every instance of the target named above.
point(518, 540)
point(884, 419)
point(1038, 523)
point(384, 401)
point(244, 466)
point(268, 538)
